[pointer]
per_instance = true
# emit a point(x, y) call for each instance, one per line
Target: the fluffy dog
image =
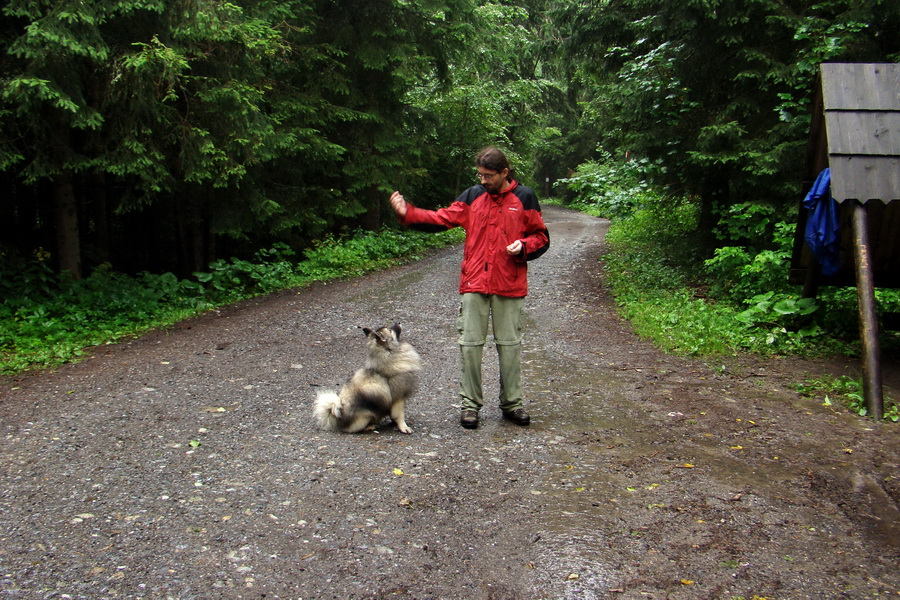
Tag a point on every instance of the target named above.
point(377, 390)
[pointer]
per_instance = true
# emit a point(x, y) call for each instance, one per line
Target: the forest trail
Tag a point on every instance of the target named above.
point(186, 465)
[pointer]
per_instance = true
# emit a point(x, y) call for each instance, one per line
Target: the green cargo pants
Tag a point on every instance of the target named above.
point(507, 316)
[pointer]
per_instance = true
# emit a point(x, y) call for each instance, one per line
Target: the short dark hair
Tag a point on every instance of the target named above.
point(494, 159)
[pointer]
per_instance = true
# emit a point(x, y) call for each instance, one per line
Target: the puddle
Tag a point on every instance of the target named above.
point(588, 433)
point(390, 291)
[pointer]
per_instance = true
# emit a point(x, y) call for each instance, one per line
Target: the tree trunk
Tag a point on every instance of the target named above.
point(101, 218)
point(373, 210)
point(68, 245)
point(195, 239)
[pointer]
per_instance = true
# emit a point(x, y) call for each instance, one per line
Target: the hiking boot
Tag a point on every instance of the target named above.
point(469, 418)
point(517, 416)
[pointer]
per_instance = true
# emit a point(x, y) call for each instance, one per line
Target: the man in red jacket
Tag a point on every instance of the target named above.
point(504, 230)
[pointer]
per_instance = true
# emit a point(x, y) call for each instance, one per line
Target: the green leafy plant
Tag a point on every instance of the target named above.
point(782, 317)
point(47, 320)
point(847, 391)
point(609, 188)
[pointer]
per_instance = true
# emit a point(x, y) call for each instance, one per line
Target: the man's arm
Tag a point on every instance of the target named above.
point(429, 221)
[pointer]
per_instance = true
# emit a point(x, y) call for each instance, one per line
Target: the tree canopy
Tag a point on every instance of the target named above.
point(160, 136)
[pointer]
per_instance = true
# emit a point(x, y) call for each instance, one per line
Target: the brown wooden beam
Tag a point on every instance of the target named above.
point(868, 323)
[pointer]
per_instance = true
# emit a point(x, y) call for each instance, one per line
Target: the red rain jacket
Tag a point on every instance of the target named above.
point(492, 222)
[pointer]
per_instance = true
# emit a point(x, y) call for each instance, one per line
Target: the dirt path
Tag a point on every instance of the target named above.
point(185, 464)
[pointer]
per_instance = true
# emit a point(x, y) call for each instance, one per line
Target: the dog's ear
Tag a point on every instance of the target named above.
point(396, 329)
point(366, 331)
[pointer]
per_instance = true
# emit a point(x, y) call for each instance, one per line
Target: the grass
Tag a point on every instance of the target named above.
point(847, 392)
point(663, 286)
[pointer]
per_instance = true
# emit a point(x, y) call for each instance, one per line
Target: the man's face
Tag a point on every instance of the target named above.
point(493, 181)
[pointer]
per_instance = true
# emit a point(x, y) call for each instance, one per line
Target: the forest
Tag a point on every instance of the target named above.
point(152, 139)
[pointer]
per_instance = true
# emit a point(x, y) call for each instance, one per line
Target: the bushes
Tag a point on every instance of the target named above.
point(649, 266)
point(46, 320)
point(605, 188)
point(739, 299)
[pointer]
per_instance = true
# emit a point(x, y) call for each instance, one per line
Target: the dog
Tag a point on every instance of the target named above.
point(377, 390)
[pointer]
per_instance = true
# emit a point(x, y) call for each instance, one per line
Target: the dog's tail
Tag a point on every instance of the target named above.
point(327, 410)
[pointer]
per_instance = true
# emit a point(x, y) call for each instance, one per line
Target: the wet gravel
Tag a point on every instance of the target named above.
point(186, 464)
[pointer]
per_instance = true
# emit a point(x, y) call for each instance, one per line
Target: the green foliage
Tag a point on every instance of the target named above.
point(648, 266)
point(718, 92)
point(499, 89)
point(849, 392)
point(780, 321)
point(651, 282)
point(606, 188)
point(46, 320)
point(234, 279)
point(739, 301)
point(655, 283)
point(262, 122)
point(757, 266)
point(366, 251)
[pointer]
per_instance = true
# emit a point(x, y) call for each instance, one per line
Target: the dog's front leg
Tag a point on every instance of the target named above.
point(398, 415)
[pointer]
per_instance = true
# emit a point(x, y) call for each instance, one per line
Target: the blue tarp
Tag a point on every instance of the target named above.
point(822, 227)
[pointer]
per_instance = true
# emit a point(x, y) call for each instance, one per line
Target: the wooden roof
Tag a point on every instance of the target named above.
point(861, 112)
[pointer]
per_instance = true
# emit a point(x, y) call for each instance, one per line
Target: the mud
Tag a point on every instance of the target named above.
point(185, 464)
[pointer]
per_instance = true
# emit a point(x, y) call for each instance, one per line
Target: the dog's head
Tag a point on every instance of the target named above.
point(385, 336)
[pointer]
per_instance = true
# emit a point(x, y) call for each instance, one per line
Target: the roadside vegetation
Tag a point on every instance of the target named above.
point(47, 320)
point(739, 300)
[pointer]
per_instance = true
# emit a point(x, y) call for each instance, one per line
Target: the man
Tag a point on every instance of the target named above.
point(504, 230)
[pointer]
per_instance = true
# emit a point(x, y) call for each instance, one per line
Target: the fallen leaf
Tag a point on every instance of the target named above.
point(685, 466)
point(572, 576)
point(687, 582)
point(398, 472)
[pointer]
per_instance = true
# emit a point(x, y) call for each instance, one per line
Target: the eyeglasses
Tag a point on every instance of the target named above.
point(483, 176)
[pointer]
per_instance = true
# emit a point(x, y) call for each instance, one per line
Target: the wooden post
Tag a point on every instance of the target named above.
point(868, 325)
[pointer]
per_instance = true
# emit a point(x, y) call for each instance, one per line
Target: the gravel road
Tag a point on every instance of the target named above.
point(186, 465)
